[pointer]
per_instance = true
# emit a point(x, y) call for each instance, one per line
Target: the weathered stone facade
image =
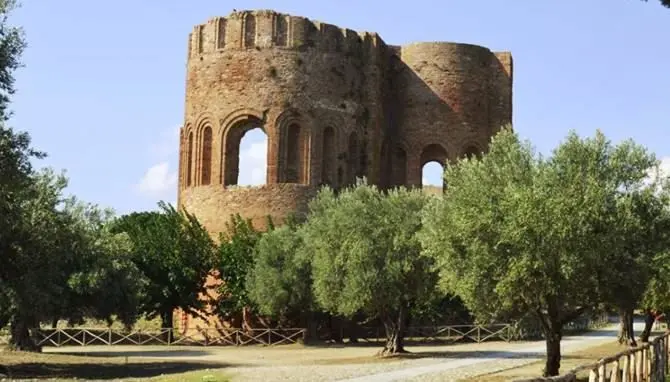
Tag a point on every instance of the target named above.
point(335, 105)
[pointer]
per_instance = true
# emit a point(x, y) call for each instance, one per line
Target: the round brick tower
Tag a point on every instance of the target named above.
point(335, 105)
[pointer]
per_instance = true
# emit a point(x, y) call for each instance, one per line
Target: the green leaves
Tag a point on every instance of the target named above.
point(175, 253)
point(518, 231)
point(235, 262)
point(280, 284)
point(365, 252)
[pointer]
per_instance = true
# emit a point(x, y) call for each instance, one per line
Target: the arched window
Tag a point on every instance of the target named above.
point(249, 31)
point(295, 149)
point(189, 160)
point(433, 160)
point(329, 159)
point(206, 161)
point(245, 155)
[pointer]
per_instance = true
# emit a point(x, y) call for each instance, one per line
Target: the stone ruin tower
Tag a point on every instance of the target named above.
point(335, 105)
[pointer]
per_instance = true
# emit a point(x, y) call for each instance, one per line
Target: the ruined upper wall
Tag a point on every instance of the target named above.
point(450, 99)
point(335, 104)
point(277, 68)
point(267, 29)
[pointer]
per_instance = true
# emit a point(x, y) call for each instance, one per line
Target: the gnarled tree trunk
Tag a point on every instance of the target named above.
point(649, 319)
point(395, 332)
point(310, 335)
point(553, 343)
point(626, 331)
point(20, 336)
point(335, 327)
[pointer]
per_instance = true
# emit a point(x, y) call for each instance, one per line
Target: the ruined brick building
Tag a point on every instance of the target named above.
point(335, 105)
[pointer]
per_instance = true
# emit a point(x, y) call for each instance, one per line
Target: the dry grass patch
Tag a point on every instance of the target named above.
point(20, 365)
point(568, 362)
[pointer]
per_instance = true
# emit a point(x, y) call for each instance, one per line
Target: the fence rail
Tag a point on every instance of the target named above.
point(167, 337)
point(645, 363)
point(446, 333)
point(274, 336)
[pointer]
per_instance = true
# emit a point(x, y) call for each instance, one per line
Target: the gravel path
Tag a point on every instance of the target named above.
point(489, 358)
point(436, 363)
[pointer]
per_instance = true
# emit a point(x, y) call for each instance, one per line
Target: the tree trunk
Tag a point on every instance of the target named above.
point(54, 323)
point(309, 336)
point(353, 329)
point(335, 326)
point(395, 333)
point(649, 319)
point(247, 317)
point(553, 342)
point(167, 325)
point(20, 336)
point(626, 331)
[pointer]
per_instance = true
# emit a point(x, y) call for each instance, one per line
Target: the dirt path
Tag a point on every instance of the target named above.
point(357, 363)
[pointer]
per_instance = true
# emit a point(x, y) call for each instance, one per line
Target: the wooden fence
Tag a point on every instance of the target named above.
point(645, 363)
point(444, 334)
point(167, 337)
point(274, 336)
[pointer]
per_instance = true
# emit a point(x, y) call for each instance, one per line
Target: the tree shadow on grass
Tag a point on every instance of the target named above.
point(480, 354)
point(85, 371)
point(139, 352)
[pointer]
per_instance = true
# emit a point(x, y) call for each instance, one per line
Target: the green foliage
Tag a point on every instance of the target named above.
point(640, 226)
point(41, 254)
point(519, 233)
point(366, 256)
point(281, 283)
point(235, 262)
point(657, 292)
point(175, 254)
point(12, 45)
point(105, 283)
point(439, 310)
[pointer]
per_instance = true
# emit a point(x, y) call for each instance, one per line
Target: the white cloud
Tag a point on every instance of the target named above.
point(166, 145)
point(158, 180)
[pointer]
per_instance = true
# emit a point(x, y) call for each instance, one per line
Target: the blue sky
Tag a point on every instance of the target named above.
point(103, 87)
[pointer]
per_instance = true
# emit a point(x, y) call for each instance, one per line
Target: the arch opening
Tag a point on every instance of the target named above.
point(245, 155)
point(472, 151)
point(433, 159)
point(189, 160)
point(329, 159)
point(250, 31)
point(206, 157)
point(432, 177)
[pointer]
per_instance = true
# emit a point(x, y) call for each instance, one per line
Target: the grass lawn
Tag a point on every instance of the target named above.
point(19, 365)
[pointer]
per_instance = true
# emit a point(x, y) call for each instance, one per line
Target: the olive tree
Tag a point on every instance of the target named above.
point(280, 284)
point(366, 256)
point(639, 236)
point(517, 232)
